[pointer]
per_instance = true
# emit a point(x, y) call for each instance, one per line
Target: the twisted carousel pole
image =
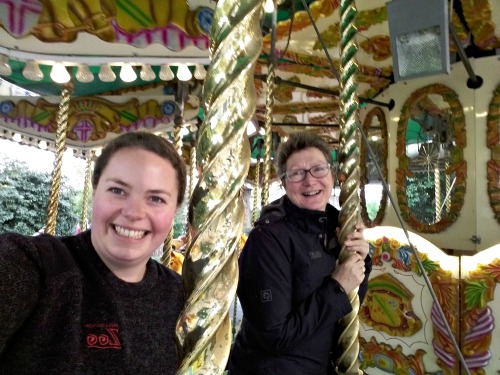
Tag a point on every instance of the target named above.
point(55, 183)
point(192, 170)
point(86, 190)
point(255, 212)
point(349, 175)
point(210, 271)
point(437, 194)
point(167, 244)
point(270, 86)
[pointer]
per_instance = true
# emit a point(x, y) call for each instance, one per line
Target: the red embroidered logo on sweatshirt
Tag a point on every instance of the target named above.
point(102, 336)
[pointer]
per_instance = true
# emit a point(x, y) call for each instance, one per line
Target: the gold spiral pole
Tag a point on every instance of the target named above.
point(210, 271)
point(55, 183)
point(255, 211)
point(349, 174)
point(266, 164)
point(270, 86)
point(178, 121)
point(447, 187)
point(167, 245)
point(192, 169)
point(86, 191)
point(437, 194)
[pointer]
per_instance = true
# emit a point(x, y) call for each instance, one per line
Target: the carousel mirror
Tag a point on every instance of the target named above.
point(493, 141)
point(431, 176)
point(373, 195)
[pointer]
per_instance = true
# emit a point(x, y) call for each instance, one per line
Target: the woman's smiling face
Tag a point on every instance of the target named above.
point(133, 208)
point(311, 193)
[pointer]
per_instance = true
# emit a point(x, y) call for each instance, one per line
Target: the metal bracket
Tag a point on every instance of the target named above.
point(475, 239)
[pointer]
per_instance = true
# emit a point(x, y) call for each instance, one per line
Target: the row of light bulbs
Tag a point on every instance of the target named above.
point(45, 144)
point(59, 73)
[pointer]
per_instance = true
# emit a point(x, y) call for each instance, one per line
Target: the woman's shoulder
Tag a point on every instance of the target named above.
point(15, 241)
point(167, 273)
point(43, 252)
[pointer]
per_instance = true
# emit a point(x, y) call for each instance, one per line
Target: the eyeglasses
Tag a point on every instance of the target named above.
point(297, 175)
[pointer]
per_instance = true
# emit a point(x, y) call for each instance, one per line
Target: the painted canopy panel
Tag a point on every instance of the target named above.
point(175, 29)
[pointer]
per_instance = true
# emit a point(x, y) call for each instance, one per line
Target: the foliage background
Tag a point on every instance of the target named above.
point(24, 196)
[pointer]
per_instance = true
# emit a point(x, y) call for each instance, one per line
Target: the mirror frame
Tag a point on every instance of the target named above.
point(493, 143)
point(457, 163)
point(378, 113)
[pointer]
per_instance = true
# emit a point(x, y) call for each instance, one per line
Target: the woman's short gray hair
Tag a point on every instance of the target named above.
point(297, 142)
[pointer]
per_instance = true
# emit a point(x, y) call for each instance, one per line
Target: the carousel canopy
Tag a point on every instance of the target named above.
point(140, 64)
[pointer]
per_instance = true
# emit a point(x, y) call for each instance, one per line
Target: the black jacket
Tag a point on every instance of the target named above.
point(290, 303)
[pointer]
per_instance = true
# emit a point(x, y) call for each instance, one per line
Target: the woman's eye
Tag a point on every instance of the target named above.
point(297, 173)
point(157, 199)
point(116, 190)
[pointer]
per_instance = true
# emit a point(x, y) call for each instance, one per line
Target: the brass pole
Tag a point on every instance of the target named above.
point(255, 211)
point(167, 245)
point(86, 191)
point(192, 169)
point(447, 188)
point(349, 174)
point(210, 270)
point(437, 194)
point(55, 184)
point(270, 86)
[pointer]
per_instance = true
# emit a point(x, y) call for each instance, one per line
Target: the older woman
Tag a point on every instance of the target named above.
point(292, 289)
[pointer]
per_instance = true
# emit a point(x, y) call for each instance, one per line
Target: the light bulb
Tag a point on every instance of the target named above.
point(251, 128)
point(17, 137)
point(183, 73)
point(147, 73)
point(127, 73)
point(83, 74)
point(5, 69)
point(59, 73)
point(42, 145)
point(166, 73)
point(200, 73)
point(106, 74)
point(269, 6)
point(193, 128)
point(32, 71)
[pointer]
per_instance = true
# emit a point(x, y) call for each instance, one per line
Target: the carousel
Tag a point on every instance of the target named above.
point(406, 93)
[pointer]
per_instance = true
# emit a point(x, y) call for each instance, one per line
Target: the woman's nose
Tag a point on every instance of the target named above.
point(134, 209)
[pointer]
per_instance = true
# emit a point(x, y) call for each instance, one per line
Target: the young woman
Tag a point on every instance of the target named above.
point(291, 289)
point(95, 303)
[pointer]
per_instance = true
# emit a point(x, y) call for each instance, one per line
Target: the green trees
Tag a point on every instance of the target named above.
point(24, 198)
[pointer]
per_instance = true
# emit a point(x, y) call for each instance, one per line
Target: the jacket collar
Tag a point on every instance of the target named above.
point(306, 220)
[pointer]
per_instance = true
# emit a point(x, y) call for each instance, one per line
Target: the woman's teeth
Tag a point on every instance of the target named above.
point(311, 193)
point(135, 234)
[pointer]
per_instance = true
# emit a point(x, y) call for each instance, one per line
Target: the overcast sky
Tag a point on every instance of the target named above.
point(43, 161)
